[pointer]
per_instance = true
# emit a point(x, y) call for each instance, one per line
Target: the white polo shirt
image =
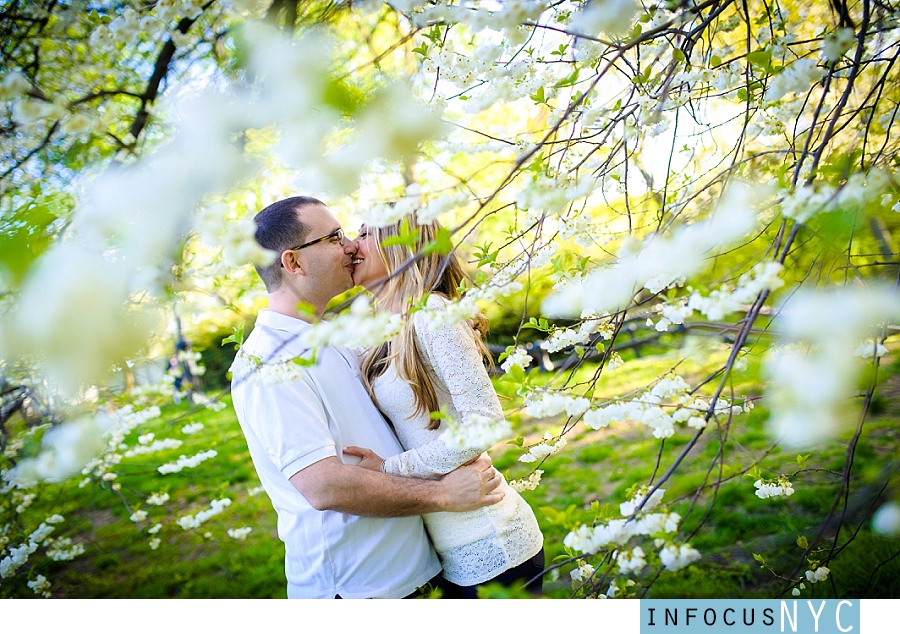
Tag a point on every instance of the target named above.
point(289, 425)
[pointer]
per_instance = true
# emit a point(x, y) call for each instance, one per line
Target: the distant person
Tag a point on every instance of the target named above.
point(348, 532)
point(425, 370)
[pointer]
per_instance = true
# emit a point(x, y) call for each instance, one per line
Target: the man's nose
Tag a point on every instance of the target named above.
point(350, 246)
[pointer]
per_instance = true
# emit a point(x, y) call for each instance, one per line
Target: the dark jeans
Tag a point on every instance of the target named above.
point(521, 573)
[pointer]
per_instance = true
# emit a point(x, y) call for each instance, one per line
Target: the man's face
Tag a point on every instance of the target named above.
point(327, 263)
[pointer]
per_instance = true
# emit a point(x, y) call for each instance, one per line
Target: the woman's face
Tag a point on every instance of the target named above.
point(368, 268)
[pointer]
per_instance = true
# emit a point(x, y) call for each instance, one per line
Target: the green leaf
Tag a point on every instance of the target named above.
point(24, 236)
point(538, 96)
point(759, 558)
point(561, 50)
point(406, 238)
point(678, 54)
point(518, 442)
point(715, 60)
point(421, 50)
point(568, 81)
point(802, 542)
point(761, 58)
point(237, 338)
point(343, 97)
point(441, 243)
point(305, 362)
point(306, 308)
point(579, 350)
point(435, 35)
point(517, 374)
point(550, 513)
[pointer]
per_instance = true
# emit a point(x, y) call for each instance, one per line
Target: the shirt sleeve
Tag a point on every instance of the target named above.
point(290, 422)
point(458, 367)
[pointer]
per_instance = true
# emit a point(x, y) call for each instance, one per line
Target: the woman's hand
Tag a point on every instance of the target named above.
point(368, 458)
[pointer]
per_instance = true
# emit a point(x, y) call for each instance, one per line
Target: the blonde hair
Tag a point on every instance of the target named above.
point(411, 275)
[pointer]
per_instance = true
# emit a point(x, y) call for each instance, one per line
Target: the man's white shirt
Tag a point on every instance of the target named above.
point(313, 414)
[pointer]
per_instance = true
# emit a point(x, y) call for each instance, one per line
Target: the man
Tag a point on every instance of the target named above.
point(348, 532)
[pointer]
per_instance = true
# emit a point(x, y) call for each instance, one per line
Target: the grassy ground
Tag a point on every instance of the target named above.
point(595, 466)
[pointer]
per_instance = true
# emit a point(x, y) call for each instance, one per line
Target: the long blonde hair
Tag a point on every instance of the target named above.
point(411, 275)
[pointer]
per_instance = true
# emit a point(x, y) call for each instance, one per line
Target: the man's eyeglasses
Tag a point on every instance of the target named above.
point(336, 237)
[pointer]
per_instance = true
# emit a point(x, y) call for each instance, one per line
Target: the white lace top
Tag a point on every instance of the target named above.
point(474, 546)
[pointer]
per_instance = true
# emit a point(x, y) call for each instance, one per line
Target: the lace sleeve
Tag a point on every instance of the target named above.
point(459, 370)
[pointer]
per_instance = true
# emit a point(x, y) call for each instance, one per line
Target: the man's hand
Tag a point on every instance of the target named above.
point(368, 458)
point(472, 486)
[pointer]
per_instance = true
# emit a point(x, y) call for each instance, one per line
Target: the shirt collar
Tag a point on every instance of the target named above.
point(277, 321)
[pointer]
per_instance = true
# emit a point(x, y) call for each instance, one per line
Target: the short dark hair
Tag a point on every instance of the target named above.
point(278, 227)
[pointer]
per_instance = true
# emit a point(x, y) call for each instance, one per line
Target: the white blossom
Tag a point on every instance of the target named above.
point(794, 78)
point(158, 499)
point(819, 574)
point(632, 561)
point(837, 43)
point(544, 449)
point(677, 556)
point(529, 484)
point(612, 17)
point(475, 432)
point(583, 572)
point(886, 520)
point(64, 550)
point(773, 488)
point(188, 522)
point(239, 534)
point(185, 462)
point(40, 586)
point(519, 357)
point(869, 349)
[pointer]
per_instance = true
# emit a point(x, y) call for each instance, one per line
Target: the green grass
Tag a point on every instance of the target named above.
point(731, 524)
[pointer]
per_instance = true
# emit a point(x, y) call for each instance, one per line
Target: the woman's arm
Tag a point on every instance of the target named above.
point(458, 368)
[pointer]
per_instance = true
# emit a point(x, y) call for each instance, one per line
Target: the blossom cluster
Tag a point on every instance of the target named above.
point(815, 371)
point(357, 328)
point(723, 301)
point(660, 408)
point(474, 432)
point(156, 445)
point(543, 449)
point(185, 462)
point(518, 357)
point(240, 534)
point(449, 313)
point(819, 574)
point(527, 484)
point(780, 486)
point(565, 337)
point(616, 534)
point(546, 403)
point(248, 367)
point(677, 556)
point(188, 522)
point(658, 263)
point(806, 201)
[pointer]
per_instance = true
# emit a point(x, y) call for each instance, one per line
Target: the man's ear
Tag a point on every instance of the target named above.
point(291, 263)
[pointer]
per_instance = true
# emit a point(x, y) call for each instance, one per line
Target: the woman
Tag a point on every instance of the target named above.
point(424, 370)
